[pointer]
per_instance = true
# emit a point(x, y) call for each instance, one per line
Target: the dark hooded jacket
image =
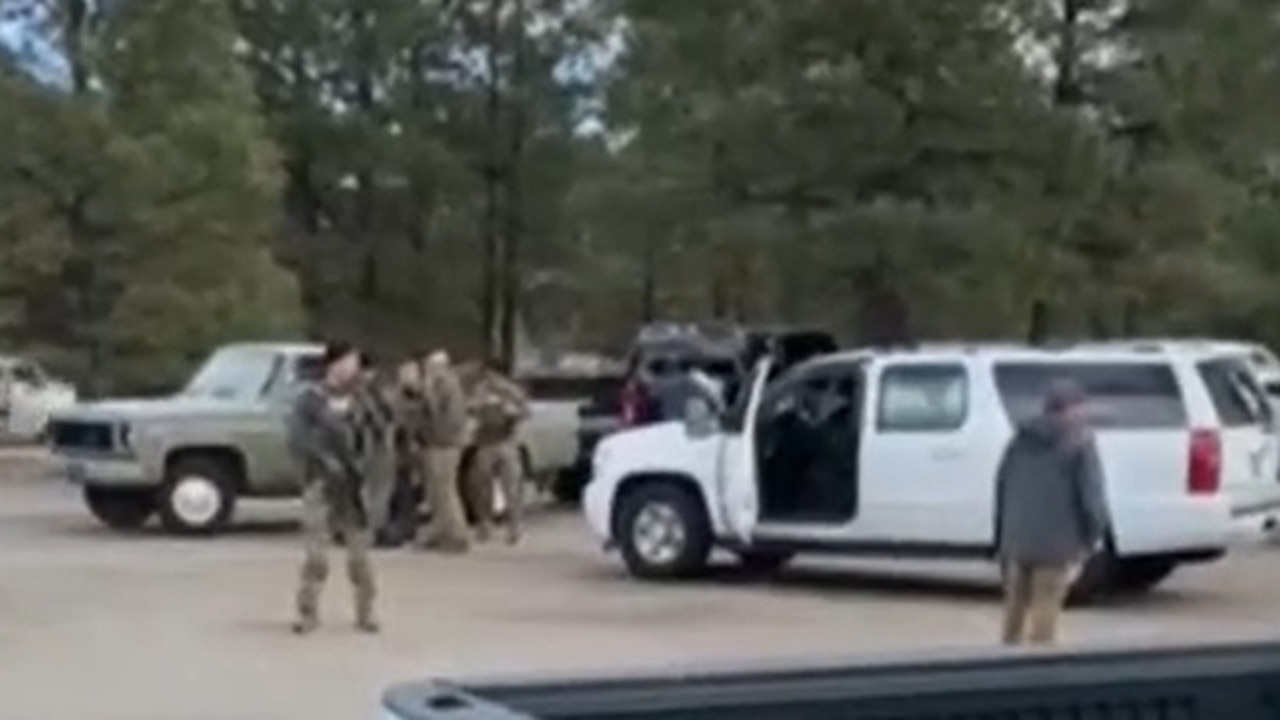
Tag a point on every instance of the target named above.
point(1050, 503)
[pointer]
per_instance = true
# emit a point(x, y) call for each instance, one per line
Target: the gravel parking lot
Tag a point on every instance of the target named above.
point(99, 625)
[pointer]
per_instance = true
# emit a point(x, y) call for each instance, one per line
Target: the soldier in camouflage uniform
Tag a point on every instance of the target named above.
point(442, 426)
point(375, 421)
point(408, 494)
point(322, 438)
point(498, 406)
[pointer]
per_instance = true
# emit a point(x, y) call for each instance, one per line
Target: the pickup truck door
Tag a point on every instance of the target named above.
point(739, 489)
point(273, 469)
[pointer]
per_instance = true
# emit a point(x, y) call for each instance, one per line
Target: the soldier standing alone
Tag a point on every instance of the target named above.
point(444, 434)
point(499, 406)
point(322, 439)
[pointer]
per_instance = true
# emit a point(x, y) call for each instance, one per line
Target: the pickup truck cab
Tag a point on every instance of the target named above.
point(896, 452)
point(189, 456)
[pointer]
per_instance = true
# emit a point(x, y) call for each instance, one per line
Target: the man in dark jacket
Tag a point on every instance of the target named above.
point(1051, 514)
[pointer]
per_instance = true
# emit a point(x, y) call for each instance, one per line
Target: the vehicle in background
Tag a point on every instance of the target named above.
point(661, 352)
point(28, 395)
point(723, 353)
point(189, 456)
point(817, 457)
point(593, 402)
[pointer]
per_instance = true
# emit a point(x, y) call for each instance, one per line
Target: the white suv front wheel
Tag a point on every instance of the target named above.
point(663, 531)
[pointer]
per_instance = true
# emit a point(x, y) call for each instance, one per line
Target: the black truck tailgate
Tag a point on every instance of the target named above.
point(1240, 682)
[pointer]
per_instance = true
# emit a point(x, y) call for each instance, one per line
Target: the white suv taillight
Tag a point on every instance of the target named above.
point(1204, 463)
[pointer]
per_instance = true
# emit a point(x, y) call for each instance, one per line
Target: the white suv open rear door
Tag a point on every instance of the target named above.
point(739, 488)
point(1250, 476)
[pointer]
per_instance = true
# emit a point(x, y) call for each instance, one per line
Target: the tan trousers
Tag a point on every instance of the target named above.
point(497, 463)
point(316, 528)
point(448, 526)
point(1033, 600)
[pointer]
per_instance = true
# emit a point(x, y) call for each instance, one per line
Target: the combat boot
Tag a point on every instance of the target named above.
point(308, 603)
point(305, 625)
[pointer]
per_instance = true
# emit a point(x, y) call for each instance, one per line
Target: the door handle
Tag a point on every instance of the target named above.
point(950, 453)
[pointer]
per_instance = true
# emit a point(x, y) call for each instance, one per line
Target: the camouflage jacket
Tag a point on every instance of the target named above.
point(374, 423)
point(498, 406)
point(320, 439)
point(374, 418)
point(442, 419)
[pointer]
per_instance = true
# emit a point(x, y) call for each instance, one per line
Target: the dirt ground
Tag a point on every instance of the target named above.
point(96, 625)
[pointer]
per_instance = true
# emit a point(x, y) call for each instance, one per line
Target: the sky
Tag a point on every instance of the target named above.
point(37, 57)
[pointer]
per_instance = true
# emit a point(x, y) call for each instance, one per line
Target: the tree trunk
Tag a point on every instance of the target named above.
point(362, 232)
point(512, 245)
point(649, 283)
point(86, 264)
point(490, 219)
point(884, 316)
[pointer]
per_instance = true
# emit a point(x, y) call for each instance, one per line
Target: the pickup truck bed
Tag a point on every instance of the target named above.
point(1206, 683)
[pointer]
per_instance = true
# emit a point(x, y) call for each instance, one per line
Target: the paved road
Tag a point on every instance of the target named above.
point(101, 626)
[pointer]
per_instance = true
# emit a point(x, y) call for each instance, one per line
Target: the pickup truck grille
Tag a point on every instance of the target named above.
point(77, 435)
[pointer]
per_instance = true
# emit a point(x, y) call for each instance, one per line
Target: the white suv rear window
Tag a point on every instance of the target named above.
point(1130, 396)
point(1235, 394)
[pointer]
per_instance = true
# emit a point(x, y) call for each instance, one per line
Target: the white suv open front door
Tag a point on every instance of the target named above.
point(739, 486)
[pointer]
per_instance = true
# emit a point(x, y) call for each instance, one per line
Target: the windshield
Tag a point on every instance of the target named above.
point(233, 374)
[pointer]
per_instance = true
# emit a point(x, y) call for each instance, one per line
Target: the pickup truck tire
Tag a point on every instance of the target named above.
point(120, 509)
point(663, 532)
point(198, 496)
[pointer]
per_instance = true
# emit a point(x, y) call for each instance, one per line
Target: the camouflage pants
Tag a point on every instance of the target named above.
point(497, 463)
point(317, 522)
point(402, 506)
point(448, 526)
point(1033, 600)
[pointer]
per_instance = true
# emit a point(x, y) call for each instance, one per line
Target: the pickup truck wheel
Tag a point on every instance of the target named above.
point(664, 532)
point(198, 496)
point(120, 509)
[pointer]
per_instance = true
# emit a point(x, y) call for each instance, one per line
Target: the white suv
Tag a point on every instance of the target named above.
point(895, 453)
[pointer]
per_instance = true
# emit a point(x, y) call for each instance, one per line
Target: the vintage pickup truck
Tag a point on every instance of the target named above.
point(189, 456)
point(1196, 683)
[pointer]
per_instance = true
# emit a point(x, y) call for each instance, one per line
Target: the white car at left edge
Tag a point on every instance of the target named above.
point(28, 396)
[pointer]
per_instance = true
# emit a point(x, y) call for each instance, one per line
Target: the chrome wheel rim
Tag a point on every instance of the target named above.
point(196, 500)
point(658, 534)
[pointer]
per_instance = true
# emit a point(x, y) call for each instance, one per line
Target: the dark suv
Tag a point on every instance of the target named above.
point(662, 353)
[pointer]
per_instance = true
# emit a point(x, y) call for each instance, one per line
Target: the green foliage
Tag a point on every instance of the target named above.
point(145, 201)
point(403, 172)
